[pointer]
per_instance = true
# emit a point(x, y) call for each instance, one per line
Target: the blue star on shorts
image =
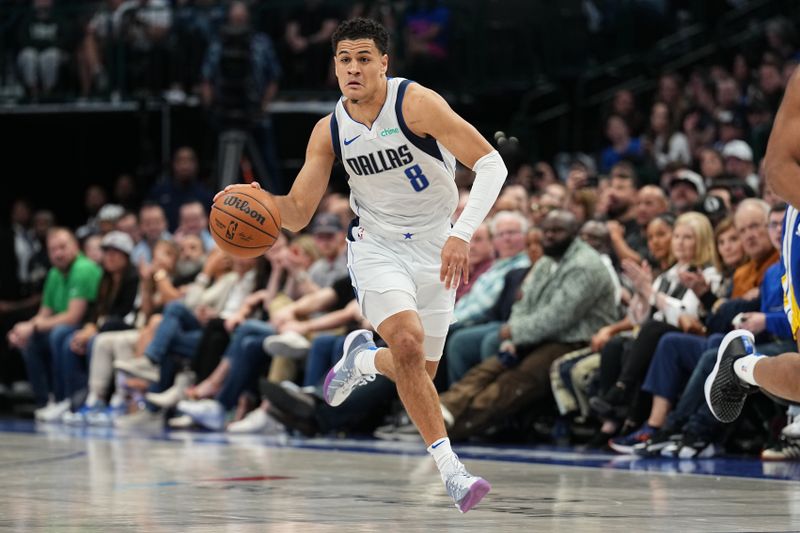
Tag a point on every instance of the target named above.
point(407, 235)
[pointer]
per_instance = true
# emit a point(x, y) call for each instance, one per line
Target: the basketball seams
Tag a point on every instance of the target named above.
point(267, 209)
point(265, 232)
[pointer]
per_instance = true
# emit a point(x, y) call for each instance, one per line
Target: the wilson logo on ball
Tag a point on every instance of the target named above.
point(244, 207)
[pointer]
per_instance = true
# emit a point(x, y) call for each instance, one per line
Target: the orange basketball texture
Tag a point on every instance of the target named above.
point(245, 223)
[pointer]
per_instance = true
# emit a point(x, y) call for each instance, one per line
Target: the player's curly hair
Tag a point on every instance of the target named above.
point(361, 28)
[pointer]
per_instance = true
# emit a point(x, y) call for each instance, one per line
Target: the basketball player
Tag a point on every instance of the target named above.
point(399, 143)
point(739, 369)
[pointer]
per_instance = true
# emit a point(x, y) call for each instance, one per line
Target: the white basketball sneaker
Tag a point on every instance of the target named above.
point(465, 489)
point(344, 377)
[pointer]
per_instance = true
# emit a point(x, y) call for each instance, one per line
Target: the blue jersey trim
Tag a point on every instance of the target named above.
point(337, 146)
point(426, 144)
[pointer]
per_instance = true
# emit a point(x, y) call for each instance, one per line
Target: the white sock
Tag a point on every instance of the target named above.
point(365, 361)
point(441, 452)
point(744, 367)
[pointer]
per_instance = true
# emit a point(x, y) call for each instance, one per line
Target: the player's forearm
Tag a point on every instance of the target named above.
point(783, 177)
point(490, 174)
point(295, 214)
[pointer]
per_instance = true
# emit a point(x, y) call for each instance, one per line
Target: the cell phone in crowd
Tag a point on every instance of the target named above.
point(693, 269)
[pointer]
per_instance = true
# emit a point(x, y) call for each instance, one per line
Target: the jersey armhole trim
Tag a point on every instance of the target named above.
point(337, 147)
point(426, 144)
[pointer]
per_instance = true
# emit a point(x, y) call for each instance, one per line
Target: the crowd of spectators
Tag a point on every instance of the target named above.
point(93, 49)
point(601, 288)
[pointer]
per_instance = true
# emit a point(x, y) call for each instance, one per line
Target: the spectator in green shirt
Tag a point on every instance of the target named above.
point(71, 285)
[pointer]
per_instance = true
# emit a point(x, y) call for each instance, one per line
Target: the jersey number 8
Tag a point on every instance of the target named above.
point(416, 177)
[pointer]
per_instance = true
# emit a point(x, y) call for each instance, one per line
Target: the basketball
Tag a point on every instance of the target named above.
point(245, 222)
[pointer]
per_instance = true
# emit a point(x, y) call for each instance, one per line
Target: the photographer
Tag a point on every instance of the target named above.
point(240, 80)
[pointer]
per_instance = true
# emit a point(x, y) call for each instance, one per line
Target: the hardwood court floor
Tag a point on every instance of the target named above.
point(63, 479)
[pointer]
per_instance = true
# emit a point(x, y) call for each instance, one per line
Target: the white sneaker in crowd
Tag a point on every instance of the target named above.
point(173, 395)
point(290, 344)
point(207, 413)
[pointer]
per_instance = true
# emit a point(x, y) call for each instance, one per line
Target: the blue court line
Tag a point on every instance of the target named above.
point(546, 455)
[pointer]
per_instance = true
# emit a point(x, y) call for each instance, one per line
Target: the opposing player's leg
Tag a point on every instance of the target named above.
point(740, 370)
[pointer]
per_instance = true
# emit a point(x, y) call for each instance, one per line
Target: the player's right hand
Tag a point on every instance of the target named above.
point(253, 184)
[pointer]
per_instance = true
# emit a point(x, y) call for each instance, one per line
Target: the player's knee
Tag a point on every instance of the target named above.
point(407, 349)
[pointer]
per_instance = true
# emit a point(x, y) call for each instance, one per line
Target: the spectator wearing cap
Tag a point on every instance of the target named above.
point(182, 188)
point(69, 290)
point(739, 162)
point(622, 145)
point(330, 242)
point(153, 227)
point(685, 190)
point(112, 311)
point(108, 217)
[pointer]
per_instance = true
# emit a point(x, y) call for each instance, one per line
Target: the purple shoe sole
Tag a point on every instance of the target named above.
point(327, 384)
point(477, 491)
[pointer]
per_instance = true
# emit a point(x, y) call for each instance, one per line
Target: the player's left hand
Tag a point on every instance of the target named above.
point(455, 262)
point(237, 186)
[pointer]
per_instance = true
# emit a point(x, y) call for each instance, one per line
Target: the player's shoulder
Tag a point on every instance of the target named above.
point(421, 104)
point(321, 134)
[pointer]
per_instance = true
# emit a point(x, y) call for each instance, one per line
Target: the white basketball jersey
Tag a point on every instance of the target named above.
point(402, 186)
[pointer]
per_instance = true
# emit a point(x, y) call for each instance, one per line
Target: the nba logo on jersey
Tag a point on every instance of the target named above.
point(360, 234)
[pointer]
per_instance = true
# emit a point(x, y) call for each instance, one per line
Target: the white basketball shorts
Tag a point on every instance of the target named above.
point(390, 276)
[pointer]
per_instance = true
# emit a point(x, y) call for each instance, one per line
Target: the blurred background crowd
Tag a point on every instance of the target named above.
point(638, 145)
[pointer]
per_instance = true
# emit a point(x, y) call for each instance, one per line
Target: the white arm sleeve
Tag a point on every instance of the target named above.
point(490, 174)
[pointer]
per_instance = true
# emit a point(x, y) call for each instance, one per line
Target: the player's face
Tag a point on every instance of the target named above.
point(360, 67)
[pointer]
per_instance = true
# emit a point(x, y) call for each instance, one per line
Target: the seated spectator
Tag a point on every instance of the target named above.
point(194, 221)
point(481, 258)
point(329, 240)
point(621, 209)
point(92, 248)
point(622, 146)
point(581, 204)
point(570, 295)
point(471, 345)
point(657, 306)
point(70, 288)
point(125, 193)
point(686, 188)
point(191, 259)
point(663, 142)
point(111, 311)
point(43, 41)
point(712, 165)
point(95, 53)
point(129, 224)
point(508, 231)
point(690, 430)
point(143, 27)
point(650, 203)
point(739, 163)
point(553, 197)
point(156, 289)
point(153, 227)
point(94, 200)
point(183, 187)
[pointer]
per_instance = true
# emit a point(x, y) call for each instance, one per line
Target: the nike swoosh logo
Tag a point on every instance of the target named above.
point(437, 444)
point(350, 141)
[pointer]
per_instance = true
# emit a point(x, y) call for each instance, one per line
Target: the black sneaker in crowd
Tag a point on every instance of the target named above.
point(725, 392)
point(660, 440)
point(611, 402)
point(690, 447)
point(787, 449)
